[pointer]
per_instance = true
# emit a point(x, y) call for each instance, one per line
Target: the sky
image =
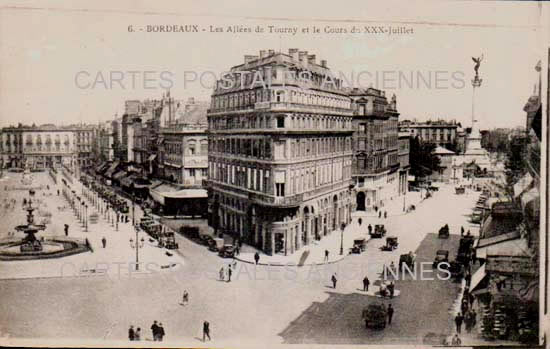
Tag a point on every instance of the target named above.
point(57, 58)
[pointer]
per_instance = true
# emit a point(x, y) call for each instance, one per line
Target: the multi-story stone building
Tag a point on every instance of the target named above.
point(375, 139)
point(86, 138)
point(106, 136)
point(39, 146)
point(280, 153)
point(440, 132)
point(185, 154)
point(185, 144)
point(404, 163)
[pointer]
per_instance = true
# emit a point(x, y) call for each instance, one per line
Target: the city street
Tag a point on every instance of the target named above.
point(273, 303)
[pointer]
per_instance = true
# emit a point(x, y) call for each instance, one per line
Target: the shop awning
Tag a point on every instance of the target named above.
point(112, 169)
point(522, 184)
point(120, 174)
point(478, 276)
point(529, 196)
point(164, 191)
point(484, 242)
point(98, 168)
point(127, 182)
point(515, 247)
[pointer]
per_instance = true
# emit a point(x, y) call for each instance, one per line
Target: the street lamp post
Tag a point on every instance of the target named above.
point(117, 218)
point(137, 245)
point(86, 217)
point(342, 227)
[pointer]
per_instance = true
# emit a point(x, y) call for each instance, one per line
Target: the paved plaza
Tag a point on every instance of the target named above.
point(278, 304)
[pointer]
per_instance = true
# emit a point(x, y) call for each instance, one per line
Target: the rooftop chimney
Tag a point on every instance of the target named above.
point(302, 56)
point(293, 52)
point(323, 63)
point(271, 52)
point(249, 58)
point(311, 59)
point(262, 54)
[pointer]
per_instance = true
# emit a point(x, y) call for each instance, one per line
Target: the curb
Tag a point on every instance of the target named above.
point(277, 264)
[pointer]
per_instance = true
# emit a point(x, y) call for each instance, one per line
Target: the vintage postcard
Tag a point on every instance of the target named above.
point(270, 174)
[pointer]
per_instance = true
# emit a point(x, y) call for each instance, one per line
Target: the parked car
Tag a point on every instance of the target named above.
point(374, 316)
point(441, 256)
point(379, 231)
point(215, 244)
point(227, 251)
point(359, 245)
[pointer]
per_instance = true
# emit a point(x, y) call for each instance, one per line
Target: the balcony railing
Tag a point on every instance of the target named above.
point(288, 201)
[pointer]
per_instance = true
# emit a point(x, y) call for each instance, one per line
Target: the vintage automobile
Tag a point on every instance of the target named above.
point(440, 257)
point(444, 232)
point(359, 245)
point(460, 190)
point(374, 316)
point(215, 244)
point(379, 231)
point(408, 259)
point(391, 244)
point(227, 251)
point(169, 241)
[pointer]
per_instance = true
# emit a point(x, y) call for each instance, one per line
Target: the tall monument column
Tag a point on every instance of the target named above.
point(474, 152)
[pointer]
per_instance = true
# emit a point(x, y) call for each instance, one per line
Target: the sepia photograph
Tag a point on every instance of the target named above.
point(273, 174)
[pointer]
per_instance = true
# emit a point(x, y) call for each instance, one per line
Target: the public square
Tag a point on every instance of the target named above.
point(275, 304)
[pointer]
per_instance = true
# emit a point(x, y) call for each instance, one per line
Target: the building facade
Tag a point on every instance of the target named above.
point(185, 154)
point(404, 163)
point(280, 154)
point(376, 149)
point(440, 132)
point(39, 146)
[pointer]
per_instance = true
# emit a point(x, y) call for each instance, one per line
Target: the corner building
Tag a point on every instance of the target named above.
point(376, 162)
point(280, 152)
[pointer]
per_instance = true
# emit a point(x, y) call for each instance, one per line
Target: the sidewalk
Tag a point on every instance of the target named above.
point(314, 253)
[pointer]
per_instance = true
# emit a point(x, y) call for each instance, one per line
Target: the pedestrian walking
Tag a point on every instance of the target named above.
point(257, 257)
point(229, 272)
point(66, 230)
point(333, 279)
point(57, 192)
point(237, 249)
point(370, 229)
point(222, 274)
point(385, 214)
point(458, 321)
point(380, 214)
point(390, 313)
point(205, 330)
point(391, 288)
point(461, 231)
point(161, 332)
point(366, 284)
point(131, 333)
point(104, 242)
point(359, 221)
point(185, 299)
point(137, 334)
point(326, 255)
point(155, 330)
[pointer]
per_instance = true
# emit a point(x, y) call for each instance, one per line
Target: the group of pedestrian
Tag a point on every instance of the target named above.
point(157, 331)
point(134, 335)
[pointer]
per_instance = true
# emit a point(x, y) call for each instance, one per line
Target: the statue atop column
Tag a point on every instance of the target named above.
point(476, 82)
point(477, 64)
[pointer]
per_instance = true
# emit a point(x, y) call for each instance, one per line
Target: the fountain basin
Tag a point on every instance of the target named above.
point(55, 247)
